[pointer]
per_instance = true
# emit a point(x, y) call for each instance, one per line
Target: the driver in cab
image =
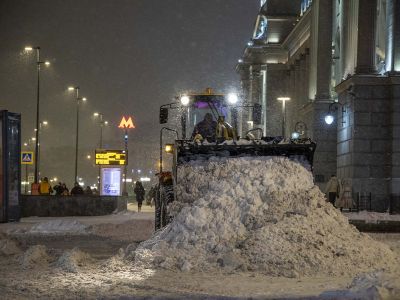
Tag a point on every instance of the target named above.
point(206, 128)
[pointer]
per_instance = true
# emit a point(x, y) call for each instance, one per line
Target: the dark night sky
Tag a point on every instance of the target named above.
point(128, 57)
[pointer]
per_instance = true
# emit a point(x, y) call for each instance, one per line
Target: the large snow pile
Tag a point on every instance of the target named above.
point(8, 247)
point(258, 214)
point(35, 256)
point(60, 226)
point(72, 260)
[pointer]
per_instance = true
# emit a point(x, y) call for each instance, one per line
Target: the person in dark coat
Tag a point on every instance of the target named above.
point(59, 189)
point(206, 128)
point(88, 191)
point(77, 190)
point(139, 192)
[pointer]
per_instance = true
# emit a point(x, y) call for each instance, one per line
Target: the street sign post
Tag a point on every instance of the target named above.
point(126, 123)
point(27, 158)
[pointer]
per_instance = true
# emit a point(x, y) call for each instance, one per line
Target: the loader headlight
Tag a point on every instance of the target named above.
point(169, 148)
point(295, 135)
point(329, 119)
point(185, 100)
point(232, 98)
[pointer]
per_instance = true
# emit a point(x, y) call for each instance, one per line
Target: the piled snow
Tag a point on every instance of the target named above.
point(261, 214)
point(35, 256)
point(60, 226)
point(8, 247)
point(386, 285)
point(372, 217)
point(72, 260)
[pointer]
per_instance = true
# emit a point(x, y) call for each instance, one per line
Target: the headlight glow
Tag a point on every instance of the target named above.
point(185, 100)
point(295, 135)
point(232, 98)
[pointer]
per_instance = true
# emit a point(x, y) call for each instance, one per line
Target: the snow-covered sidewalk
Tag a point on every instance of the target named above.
point(371, 217)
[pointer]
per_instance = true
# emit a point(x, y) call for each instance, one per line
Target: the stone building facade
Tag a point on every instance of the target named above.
point(338, 57)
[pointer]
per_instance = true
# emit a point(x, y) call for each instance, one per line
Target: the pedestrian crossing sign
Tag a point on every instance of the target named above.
point(27, 158)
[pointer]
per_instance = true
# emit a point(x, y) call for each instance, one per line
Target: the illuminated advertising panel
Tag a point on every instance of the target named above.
point(110, 182)
point(110, 157)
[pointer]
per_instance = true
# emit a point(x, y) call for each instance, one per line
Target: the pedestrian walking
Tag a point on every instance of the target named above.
point(139, 192)
point(332, 189)
point(346, 198)
point(151, 195)
point(45, 187)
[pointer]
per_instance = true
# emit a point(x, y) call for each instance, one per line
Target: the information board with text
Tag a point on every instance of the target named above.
point(105, 157)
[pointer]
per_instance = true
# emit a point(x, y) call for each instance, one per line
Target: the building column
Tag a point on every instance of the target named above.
point(306, 75)
point(320, 65)
point(321, 50)
point(366, 37)
point(255, 93)
point(255, 87)
point(392, 57)
point(244, 72)
point(295, 88)
point(264, 98)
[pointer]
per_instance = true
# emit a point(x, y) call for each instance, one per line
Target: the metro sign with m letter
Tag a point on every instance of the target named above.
point(126, 123)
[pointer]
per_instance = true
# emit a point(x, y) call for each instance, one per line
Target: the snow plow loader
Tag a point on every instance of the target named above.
point(219, 140)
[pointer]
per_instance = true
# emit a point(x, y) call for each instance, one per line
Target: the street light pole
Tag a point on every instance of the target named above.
point(126, 124)
point(125, 192)
point(283, 99)
point(37, 135)
point(39, 144)
point(102, 123)
point(37, 115)
point(78, 101)
point(26, 169)
point(76, 135)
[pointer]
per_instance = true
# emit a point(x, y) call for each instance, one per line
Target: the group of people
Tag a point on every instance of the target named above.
point(339, 193)
point(61, 189)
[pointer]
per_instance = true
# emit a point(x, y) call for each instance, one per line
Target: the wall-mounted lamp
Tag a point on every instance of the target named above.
point(333, 107)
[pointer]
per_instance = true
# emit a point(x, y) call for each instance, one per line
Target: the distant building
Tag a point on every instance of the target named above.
point(337, 55)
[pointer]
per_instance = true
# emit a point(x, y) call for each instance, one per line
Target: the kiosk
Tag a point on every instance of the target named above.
point(10, 167)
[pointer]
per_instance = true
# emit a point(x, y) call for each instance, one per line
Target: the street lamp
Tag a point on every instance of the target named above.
point(38, 64)
point(283, 99)
point(78, 101)
point(101, 123)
